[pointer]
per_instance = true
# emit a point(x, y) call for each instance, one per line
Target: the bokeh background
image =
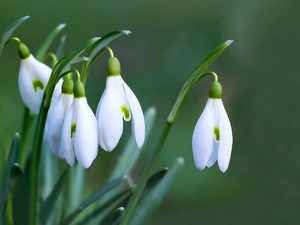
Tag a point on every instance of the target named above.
point(260, 77)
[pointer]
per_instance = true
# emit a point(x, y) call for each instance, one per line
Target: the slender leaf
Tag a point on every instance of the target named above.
point(154, 180)
point(77, 186)
point(60, 49)
point(193, 77)
point(99, 46)
point(13, 154)
point(115, 217)
point(48, 206)
point(41, 52)
point(104, 207)
point(153, 199)
point(9, 31)
point(20, 196)
point(92, 199)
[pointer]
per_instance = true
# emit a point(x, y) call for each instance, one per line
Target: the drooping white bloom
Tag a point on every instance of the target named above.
point(212, 137)
point(79, 133)
point(118, 102)
point(33, 79)
point(55, 121)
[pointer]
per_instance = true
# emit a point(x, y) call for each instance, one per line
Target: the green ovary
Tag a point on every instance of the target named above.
point(217, 133)
point(126, 112)
point(37, 84)
point(73, 129)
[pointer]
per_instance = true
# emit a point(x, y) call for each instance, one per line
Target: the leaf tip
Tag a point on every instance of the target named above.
point(229, 42)
point(180, 160)
point(62, 25)
point(127, 32)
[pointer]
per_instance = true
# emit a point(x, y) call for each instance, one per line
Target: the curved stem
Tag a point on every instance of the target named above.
point(146, 174)
point(111, 53)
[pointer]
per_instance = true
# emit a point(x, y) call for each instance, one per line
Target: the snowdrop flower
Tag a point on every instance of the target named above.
point(79, 136)
point(118, 102)
point(56, 117)
point(33, 79)
point(212, 137)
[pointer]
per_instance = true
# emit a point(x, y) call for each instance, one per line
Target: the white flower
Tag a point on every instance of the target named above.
point(79, 134)
point(212, 137)
point(55, 121)
point(33, 79)
point(118, 102)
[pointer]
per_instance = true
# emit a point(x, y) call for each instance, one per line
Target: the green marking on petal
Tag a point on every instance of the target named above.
point(217, 133)
point(126, 112)
point(73, 129)
point(37, 84)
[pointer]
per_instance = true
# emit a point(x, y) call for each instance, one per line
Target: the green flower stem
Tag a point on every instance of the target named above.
point(111, 53)
point(27, 119)
point(35, 164)
point(146, 174)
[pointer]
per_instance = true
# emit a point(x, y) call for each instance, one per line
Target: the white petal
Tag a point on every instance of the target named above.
point(225, 139)
point(66, 146)
point(122, 96)
point(86, 136)
point(202, 141)
point(30, 70)
point(138, 121)
point(214, 155)
point(110, 122)
point(55, 122)
point(57, 91)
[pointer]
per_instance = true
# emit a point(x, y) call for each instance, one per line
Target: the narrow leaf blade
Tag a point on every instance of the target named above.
point(20, 195)
point(13, 154)
point(153, 199)
point(115, 217)
point(92, 199)
point(9, 31)
point(41, 52)
point(48, 205)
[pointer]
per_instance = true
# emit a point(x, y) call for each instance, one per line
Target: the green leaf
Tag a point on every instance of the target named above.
point(42, 51)
point(60, 49)
point(115, 217)
point(154, 180)
point(131, 152)
point(92, 199)
point(20, 195)
point(98, 47)
point(48, 206)
point(107, 205)
point(193, 77)
point(6, 183)
point(9, 30)
point(153, 199)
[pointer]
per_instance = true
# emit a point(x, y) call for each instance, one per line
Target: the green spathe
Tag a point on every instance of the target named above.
point(215, 90)
point(113, 67)
point(79, 91)
point(23, 51)
point(67, 86)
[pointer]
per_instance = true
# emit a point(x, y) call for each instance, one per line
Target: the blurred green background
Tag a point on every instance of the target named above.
point(259, 74)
